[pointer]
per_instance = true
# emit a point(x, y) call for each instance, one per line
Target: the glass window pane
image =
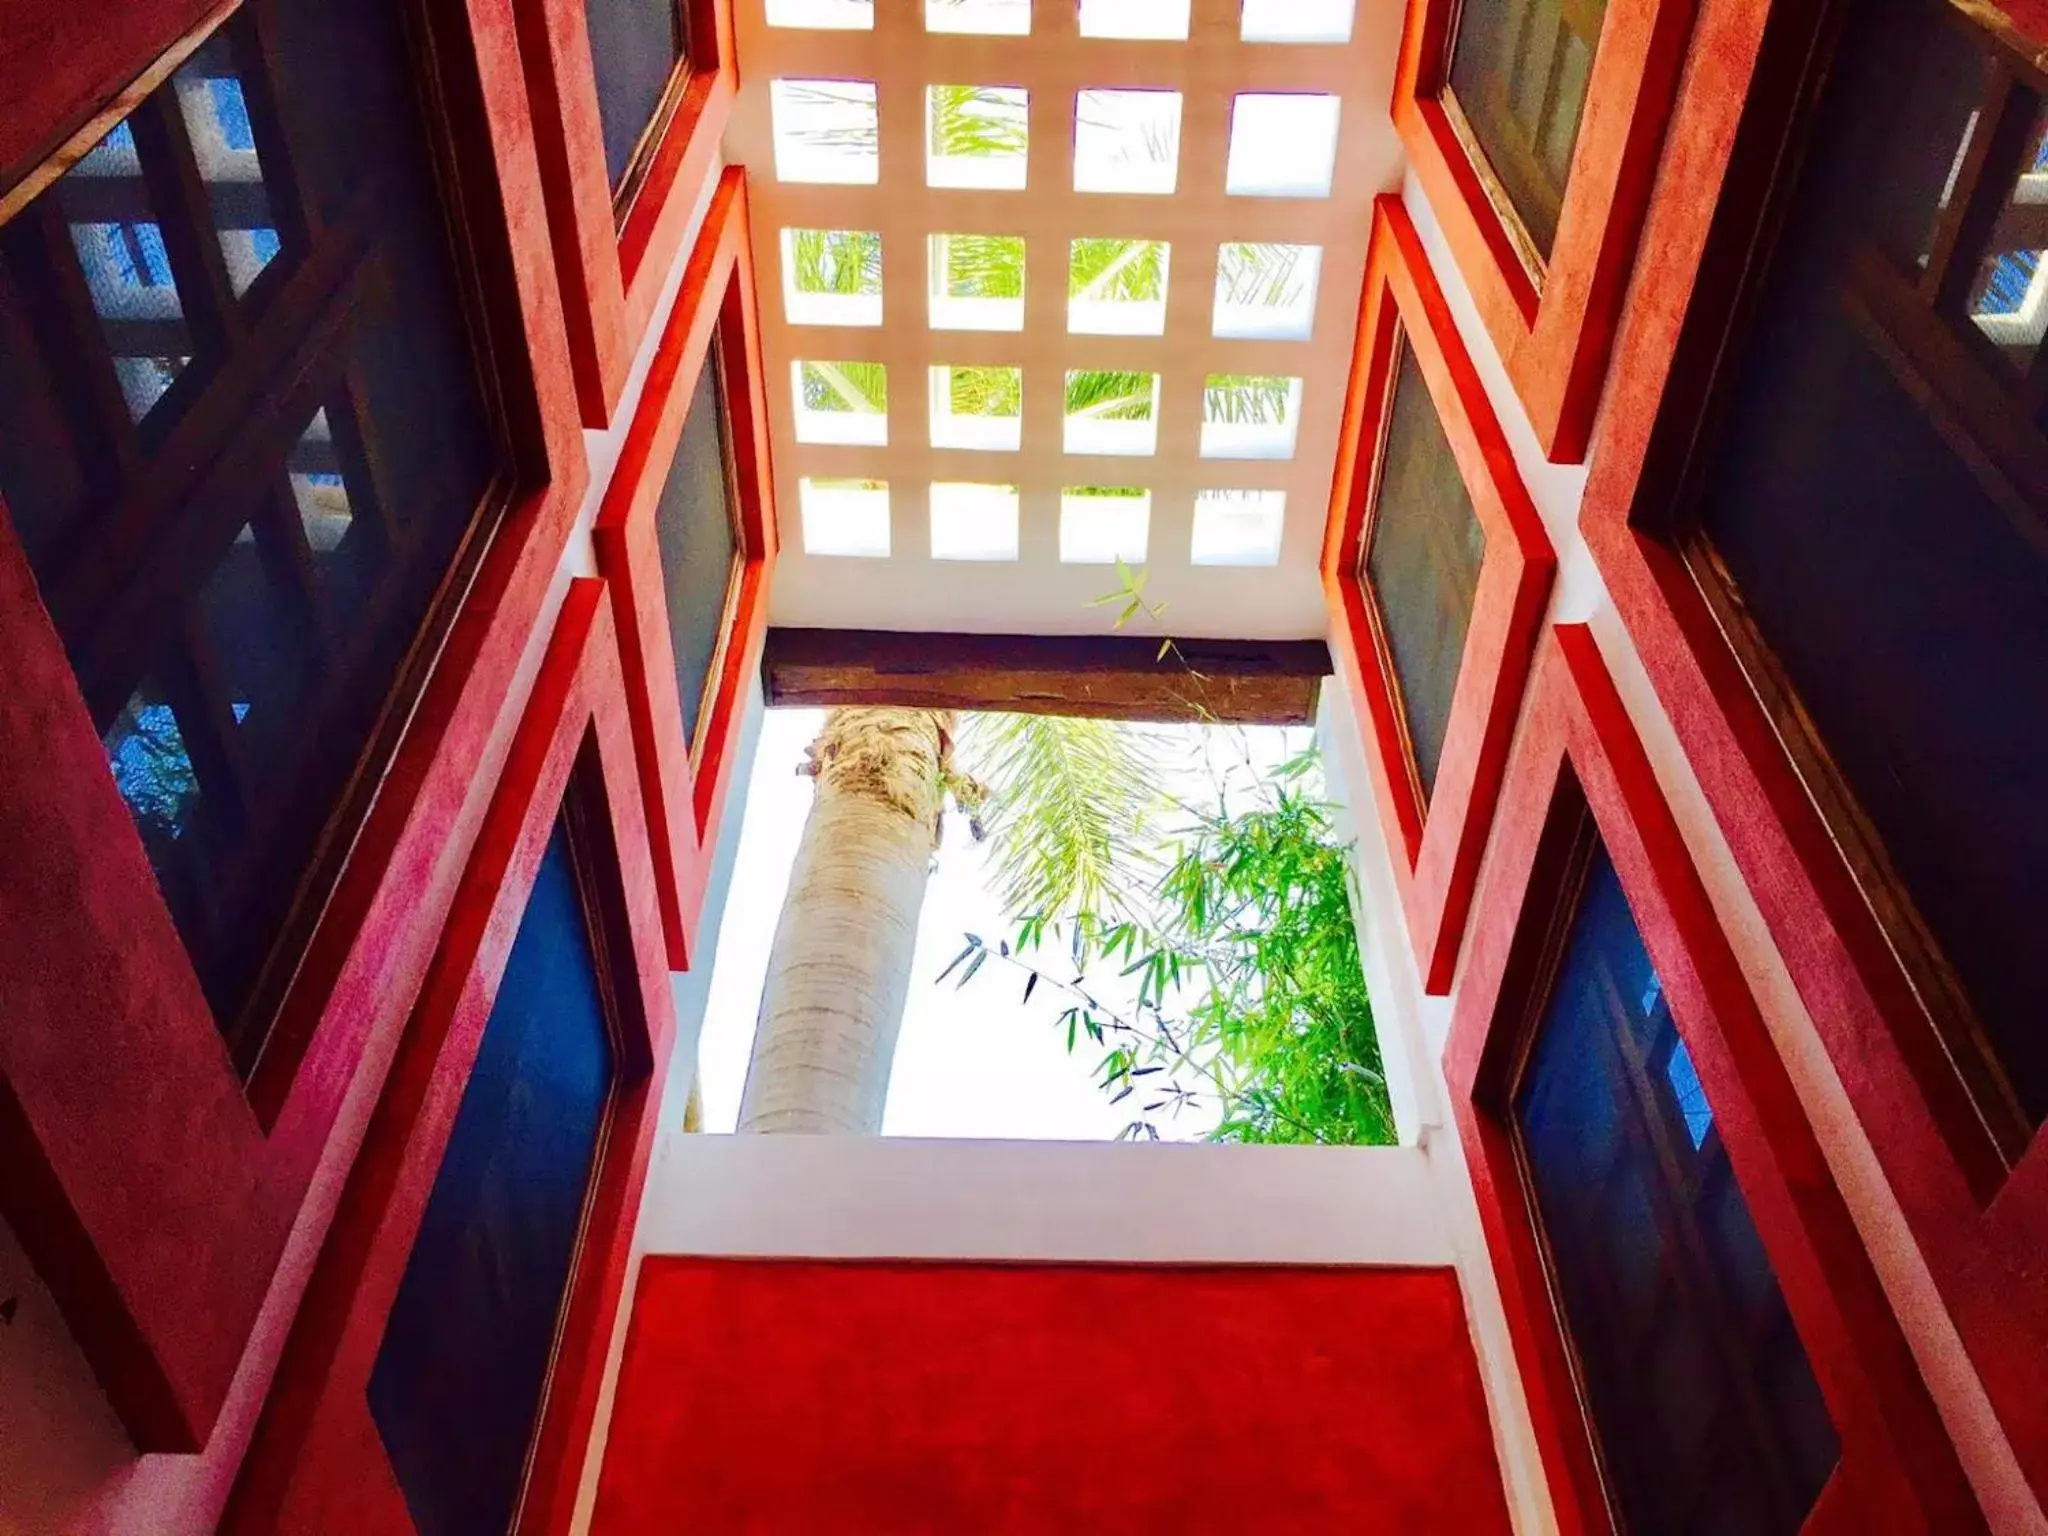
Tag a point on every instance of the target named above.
point(1892, 577)
point(1422, 564)
point(281, 585)
point(461, 1376)
point(1519, 73)
point(1692, 1369)
point(260, 634)
point(697, 526)
point(635, 46)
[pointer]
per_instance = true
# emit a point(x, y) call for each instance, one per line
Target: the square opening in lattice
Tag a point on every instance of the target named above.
point(1112, 412)
point(973, 522)
point(1296, 21)
point(832, 276)
point(1156, 20)
point(841, 403)
point(1237, 527)
point(976, 136)
point(1282, 145)
point(989, 18)
point(824, 15)
point(845, 517)
point(826, 131)
point(1250, 416)
point(1103, 523)
point(978, 408)
point(1266, 292)
point(1126, 141)
point(977, 282)
point(1117, 287)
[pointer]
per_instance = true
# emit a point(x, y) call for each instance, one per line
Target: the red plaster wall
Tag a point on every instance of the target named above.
point(802, 1396)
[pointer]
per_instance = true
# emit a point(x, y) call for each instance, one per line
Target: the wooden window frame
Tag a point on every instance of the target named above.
point(1975, 1215)
point(1553, 329)
point(1436, 840)
point(685, 792)
point(317, 1462)
point(158, 1192)
point(1579, 756)
point(612, 259)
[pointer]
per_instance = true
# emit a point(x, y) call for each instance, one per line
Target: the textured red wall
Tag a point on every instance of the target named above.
point(798, 1396)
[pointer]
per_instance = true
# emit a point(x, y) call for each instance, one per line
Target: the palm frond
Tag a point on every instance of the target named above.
point(976, 121)
point(1128, 270)
point(842, 261)
point(1108, 396)
point(835, 115)
point(1070, 810)
point(978, 266)
point(1245, 398)
point(862, 387)
point(1263, 275)
point(985, 391)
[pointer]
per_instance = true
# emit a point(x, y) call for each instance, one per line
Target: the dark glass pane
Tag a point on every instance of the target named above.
point(1692, 1369)
point(458, 1383)
point(699, 547)
point(1916, 150)
point(272, 554)
point(260, 636)
point(42, 472)
point(1519, 72)
point(1422, 565)
point(126, 264)
point(1899, 594)
point(635, 46)
point(215, 108)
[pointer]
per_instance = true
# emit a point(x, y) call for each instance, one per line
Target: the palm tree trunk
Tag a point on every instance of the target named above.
point(840, 969)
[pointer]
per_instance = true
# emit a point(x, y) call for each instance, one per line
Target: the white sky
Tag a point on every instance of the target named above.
point(972, 1061)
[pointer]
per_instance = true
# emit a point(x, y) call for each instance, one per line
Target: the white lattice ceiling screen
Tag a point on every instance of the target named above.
point(1034, 300)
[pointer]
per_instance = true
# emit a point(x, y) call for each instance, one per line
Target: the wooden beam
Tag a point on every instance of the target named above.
point(1108, 677)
